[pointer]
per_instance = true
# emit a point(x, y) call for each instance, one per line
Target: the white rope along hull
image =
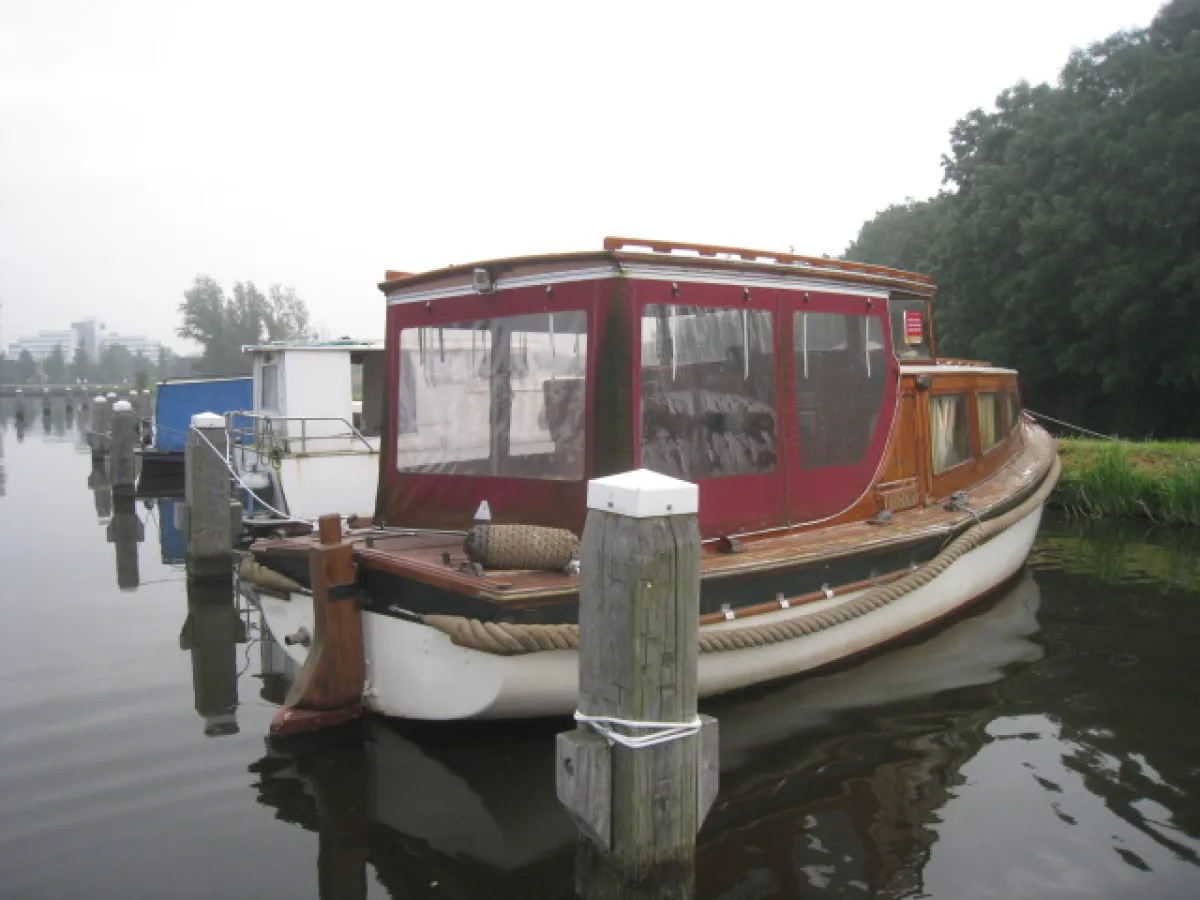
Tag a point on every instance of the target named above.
point(415, 671)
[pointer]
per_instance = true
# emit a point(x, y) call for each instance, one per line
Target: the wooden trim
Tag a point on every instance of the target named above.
point(768, 256)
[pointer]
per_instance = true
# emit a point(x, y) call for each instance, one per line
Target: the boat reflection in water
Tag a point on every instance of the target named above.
point(833, 775)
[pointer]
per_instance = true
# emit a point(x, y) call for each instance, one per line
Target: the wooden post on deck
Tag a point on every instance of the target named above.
point(207, 495)
point(638, 808)
point(329, 688)
point(122, 462)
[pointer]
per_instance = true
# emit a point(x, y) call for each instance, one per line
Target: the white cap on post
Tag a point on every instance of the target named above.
point(643, 494)
point(122, 406)
point(207, 420)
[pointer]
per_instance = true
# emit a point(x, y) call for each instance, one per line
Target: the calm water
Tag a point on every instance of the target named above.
point(1047, 746)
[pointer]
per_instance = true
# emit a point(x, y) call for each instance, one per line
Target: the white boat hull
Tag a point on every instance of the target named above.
point(416, 672)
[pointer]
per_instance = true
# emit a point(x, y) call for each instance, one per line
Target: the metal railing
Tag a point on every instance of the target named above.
point(261, 434)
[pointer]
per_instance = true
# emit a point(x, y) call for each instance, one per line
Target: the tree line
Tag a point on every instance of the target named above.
point(1066, 239)
point(116, 365)
point(221, 324)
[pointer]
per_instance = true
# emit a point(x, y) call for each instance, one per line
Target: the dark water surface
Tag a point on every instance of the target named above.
point(1046, 746)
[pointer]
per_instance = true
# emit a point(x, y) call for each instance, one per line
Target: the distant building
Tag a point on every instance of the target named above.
point(88, 335)
point(43, 344)
point(134, 343)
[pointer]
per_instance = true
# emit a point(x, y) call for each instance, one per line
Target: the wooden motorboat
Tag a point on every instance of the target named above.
point(854, 486)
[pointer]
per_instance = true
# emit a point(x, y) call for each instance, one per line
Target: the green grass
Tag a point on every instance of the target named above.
point(1159, 481)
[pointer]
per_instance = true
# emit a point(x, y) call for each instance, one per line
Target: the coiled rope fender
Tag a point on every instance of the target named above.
point(251, 570)
point(511, 639)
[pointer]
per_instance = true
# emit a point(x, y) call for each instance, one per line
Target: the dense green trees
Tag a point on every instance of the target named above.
point(1067, 240)
point(54, 366)
point(223, 325)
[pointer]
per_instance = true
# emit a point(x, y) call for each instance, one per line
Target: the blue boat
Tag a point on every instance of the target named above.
point(178, 399)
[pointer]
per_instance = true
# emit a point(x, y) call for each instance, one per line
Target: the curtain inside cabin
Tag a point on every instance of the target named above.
point(951, 429)
point(991, 421)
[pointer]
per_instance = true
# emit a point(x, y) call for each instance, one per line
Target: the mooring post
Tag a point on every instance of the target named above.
point(122, 462)
point(99, 427)
point(639, 774)
point(207, 519)
point(329, 688)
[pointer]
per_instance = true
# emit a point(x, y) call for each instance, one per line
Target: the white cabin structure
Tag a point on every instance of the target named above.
point(310, 446)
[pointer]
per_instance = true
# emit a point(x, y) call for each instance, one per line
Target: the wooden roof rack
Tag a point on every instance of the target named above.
point(761, 256)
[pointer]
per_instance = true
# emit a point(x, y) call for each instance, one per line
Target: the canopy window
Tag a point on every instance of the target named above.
point(503, 396)
point(841, 377)
point(708, 391)
point(951, 431)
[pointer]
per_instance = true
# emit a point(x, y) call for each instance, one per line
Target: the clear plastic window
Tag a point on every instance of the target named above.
point(948, 420)
point(841, 374)
point(910, 327)
point(708, 391)
point(502, 397)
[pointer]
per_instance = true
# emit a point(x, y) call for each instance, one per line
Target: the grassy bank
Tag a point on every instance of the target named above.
point(1159, 481)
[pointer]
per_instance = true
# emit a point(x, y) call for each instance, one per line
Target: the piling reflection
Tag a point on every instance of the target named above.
point(802, 802)
point(101, 488)
point(125, 531)
point(211, 633)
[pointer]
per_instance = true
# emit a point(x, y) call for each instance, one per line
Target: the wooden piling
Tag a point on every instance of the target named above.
point(122, 462)
point(207, 495)
point(638, 808)
point(99, 427)
point(329, 687)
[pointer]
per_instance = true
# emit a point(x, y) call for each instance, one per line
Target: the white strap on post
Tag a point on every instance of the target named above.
point(662, 732)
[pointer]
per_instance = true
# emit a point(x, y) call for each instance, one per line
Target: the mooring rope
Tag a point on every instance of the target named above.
point(513, 639)
point(284, 517)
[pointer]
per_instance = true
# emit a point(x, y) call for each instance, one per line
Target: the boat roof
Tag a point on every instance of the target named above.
point(618, 251)
point(342, 344)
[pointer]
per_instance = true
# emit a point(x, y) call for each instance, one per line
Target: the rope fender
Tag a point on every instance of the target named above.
point(512, 639)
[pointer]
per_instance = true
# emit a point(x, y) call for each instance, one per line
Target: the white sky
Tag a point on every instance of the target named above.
point(318, 144)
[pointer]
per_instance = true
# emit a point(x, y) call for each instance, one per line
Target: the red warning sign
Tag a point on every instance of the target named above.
point(914, 331)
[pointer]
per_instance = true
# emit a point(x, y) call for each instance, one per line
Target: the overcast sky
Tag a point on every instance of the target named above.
point(318, 144)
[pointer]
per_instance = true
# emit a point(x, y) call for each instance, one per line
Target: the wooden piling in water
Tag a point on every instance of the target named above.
point(207, 496)
point(99, 427)
point(328, 690)
point(122, 462)
point(638, 803)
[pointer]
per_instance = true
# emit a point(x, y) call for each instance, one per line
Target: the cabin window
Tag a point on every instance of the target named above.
point(991, 421)
point(501, 397)
point(910, 327)
point(268, 397)
point(951, 431)
point(841, 375)
point(1014, 410)
point(708, 391)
